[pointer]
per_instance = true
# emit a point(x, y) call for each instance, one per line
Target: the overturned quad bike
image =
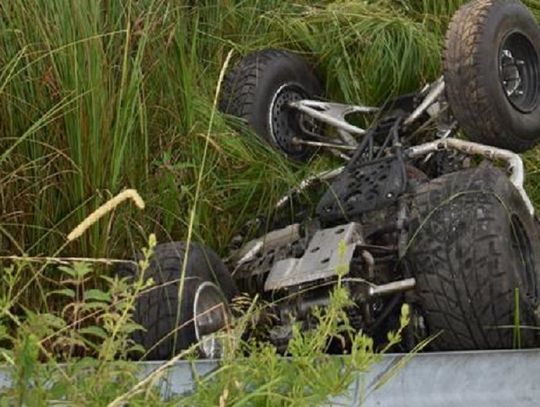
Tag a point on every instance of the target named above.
point(415, 214)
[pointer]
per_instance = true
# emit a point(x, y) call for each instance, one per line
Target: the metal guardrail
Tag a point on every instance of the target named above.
point(476, 379)
point(485, 378)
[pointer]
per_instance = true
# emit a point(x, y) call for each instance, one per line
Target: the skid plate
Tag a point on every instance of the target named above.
point(320, 260)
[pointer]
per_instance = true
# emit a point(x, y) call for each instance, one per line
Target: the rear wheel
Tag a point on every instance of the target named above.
point(174, 315)
point(260, 87)
point(474, 253)
point(492, 73)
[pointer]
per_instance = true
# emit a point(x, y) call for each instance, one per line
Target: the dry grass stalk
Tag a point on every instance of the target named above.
point(104, 209)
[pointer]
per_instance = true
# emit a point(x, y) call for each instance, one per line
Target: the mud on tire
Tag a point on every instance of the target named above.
point(473, 243)
point(492, 73)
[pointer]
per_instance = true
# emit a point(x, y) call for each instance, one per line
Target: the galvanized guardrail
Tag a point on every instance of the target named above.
point(476, 379)
point(485, 378)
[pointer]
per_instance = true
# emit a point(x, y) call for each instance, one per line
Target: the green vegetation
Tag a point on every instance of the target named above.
point(97, 96)
point(98, 323)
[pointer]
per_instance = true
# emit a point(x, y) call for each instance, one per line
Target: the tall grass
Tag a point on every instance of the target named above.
point(98, 96)
point(97, 324)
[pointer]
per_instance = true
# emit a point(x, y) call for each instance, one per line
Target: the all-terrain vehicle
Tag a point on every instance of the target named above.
point(416, 214)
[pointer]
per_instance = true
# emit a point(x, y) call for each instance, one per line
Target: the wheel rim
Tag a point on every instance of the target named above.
point(526, 270)
point(284, 121)
point(518, 72)
point(210, 314)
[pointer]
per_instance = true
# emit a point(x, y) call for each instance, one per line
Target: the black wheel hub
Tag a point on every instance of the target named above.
point(522, 248)
point(284, 121)
point(519, 72)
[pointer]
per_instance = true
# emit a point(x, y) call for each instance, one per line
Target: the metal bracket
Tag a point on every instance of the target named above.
point(320, 260)
point(334, 114)
point(514, 161)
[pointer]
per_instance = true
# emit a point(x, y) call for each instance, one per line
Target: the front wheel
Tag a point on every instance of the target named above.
point(474, 252)
point(259, 89)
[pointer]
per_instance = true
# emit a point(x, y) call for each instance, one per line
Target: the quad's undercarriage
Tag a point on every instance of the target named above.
point(362, 228)
point(413, 214)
